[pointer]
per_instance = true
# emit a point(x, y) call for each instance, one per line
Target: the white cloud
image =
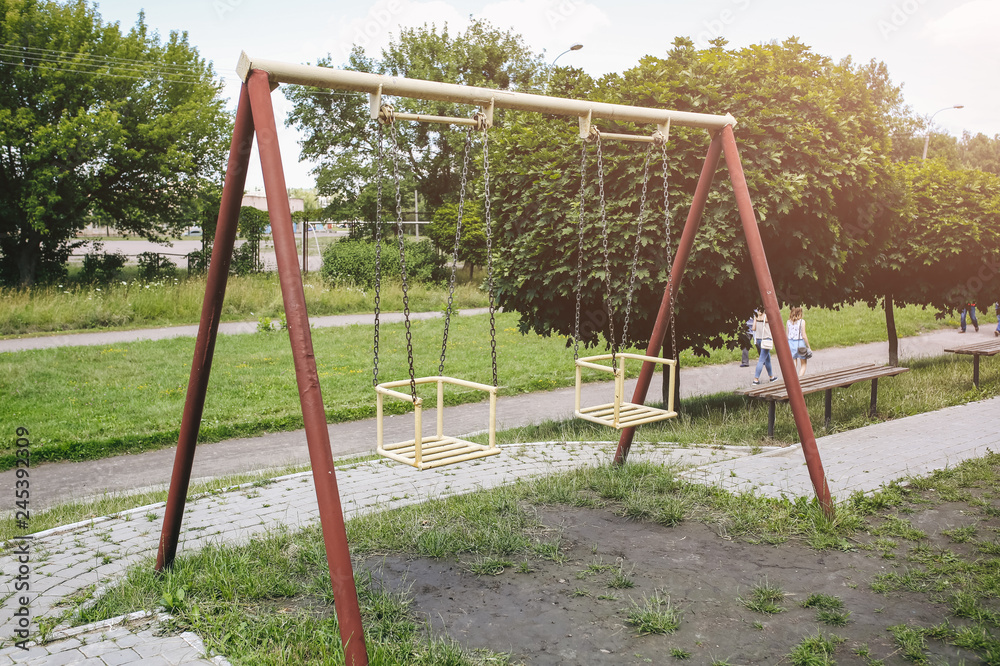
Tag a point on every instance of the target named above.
point(374, 29)
point(551, 25)
point(969, 27)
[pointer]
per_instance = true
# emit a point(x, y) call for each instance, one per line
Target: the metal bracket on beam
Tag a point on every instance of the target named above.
point(590, 133)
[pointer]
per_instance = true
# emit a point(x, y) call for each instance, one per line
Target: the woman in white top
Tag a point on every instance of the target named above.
point(762, 332)
point(796, 331)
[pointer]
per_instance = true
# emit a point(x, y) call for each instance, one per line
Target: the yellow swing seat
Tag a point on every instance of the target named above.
point(438, 450)
point(620, 414)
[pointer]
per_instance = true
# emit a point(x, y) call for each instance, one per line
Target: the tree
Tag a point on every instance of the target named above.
point(472, 243)
point(98, 121)
point(814, 140)
point(980, 152)
point(341, 136)
point(941, 243)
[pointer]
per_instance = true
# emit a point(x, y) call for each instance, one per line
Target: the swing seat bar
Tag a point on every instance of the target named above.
point(620, 414)
point(425, 452)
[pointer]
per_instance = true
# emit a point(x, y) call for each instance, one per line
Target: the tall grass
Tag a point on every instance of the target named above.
point(133, 304)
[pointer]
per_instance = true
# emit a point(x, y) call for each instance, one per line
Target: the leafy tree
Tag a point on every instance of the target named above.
point(251, 224)
point(472, 244)
point(980, 152)
point(814, 141)
point(942, 239)
point(98, 122)
point(341, 136)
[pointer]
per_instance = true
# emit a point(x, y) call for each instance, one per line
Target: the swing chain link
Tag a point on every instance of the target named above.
point(670, 258)
point(638, 239)
point(402, 260)
point(607, 260)
point(379, 166)
point(489, 253)
point(579, 251)
point(454, 261)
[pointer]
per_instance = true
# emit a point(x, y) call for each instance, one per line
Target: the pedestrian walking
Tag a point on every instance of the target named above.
point(762, 331)
point(996, 310)
point(797, 339)
point(970, 309)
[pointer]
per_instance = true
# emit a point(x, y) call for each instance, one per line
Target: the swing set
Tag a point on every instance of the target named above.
point(255, 117)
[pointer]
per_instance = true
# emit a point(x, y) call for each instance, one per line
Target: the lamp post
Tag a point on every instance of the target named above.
point(575, 47)
point(927, 139)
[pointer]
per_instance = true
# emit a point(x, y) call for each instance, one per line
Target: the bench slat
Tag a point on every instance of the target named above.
point(987, 348)
point(838, 378)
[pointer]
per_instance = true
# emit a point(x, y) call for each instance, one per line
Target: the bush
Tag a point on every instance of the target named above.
point(152, 267)
point(353, 262)
point(101, 267)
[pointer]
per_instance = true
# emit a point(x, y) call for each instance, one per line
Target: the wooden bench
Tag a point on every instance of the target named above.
point(775, 392)
point(988, 348)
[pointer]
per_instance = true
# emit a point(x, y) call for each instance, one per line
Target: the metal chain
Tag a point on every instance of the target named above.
point(670, 257)
point(454, 260)
point(638, 238)
point(402, 259)
point(489, 253)
point(379, 165)
point(607, 260)
point(579, 251)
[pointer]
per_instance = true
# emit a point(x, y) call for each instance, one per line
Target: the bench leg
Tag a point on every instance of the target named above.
point(874, 403)
point(975, 369)
point(770, 419)
point(827, 407)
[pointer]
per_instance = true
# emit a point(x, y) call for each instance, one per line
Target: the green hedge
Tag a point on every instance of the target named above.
point(353, 262)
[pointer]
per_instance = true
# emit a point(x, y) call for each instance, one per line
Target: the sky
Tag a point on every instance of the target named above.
point(943, 52)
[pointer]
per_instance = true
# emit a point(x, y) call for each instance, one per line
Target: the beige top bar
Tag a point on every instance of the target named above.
point(325, 77)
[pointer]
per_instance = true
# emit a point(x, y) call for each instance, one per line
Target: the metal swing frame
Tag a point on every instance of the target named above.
point(255, 117)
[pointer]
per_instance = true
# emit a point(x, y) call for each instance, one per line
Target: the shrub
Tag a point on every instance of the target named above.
point(152, 267)
point(101, 266)
point(353, 262)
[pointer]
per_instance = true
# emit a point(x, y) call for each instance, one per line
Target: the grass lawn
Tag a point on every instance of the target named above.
point(91, 402)
point(132, 304)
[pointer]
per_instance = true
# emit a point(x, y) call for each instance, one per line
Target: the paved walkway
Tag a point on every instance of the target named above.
point(71, 558)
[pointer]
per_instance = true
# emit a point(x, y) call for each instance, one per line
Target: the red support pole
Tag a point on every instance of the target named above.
point(770, 300)
point(676, 271)
point(331, 513)
point(211, 311)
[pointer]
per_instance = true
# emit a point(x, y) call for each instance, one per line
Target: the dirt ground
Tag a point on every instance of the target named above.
point(566, 613)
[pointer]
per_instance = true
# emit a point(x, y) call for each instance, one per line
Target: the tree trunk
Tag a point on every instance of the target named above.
point(27, 261)
point(472, 267)
point(890, 329)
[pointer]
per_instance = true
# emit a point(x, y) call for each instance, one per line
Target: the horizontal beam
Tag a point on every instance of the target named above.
point(325, 77)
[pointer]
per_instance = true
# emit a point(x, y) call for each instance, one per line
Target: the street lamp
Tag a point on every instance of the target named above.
point(575, 47)
point(927, 139)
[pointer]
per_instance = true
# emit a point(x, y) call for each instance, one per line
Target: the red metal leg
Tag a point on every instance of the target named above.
point(676, 271)
point(211, 311)
point(331, 514)
point(766, 285)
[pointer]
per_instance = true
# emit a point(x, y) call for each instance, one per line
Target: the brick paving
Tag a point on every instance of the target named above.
point(95, 553)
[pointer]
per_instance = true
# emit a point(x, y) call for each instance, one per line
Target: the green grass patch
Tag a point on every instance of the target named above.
point(127, 304)
point(654, 615)
point(764, 598)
